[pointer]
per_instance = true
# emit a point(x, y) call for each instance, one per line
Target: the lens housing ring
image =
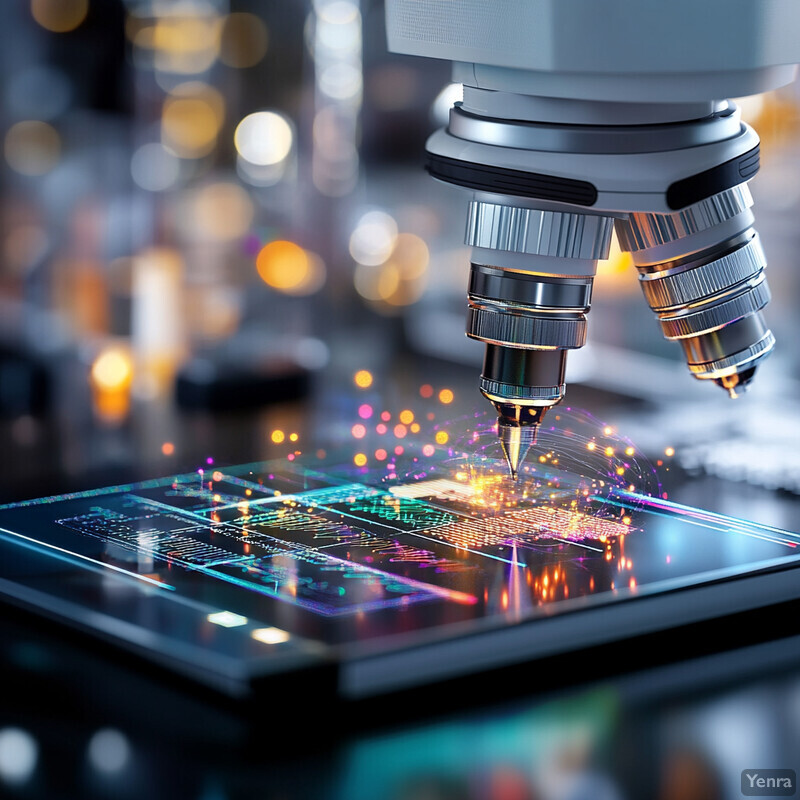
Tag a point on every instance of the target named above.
point(682, 325)
point(504, 392)
point(642, 231)
point(737, 361)
point(692, 282)
point(534, 231)
point(515, 326)
point(533, 291)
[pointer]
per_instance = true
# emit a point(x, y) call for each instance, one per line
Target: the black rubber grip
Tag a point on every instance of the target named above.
point(713, 181)
point(500, 180)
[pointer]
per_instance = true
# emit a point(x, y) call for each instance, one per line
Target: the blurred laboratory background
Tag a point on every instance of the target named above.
point(216, 234)
point(214, 215)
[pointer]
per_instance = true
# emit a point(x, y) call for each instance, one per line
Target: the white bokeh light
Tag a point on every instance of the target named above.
point(264, 138)
point(154, 167)
point(19, 753)
point(109, 750)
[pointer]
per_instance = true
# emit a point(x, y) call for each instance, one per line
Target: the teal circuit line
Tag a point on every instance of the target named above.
point(705, 519)
point(71, 557)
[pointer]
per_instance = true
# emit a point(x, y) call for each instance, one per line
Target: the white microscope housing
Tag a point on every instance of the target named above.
point(584, 116)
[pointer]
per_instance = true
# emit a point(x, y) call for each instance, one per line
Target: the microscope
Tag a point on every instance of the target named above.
point(580, 117)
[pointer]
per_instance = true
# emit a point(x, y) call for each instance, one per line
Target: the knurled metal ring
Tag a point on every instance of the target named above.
point(535, 232)
point(519, 328)
point(643, 231)
point(511, 391)
point(691, 284)
point(710, 318)
point(725, 366)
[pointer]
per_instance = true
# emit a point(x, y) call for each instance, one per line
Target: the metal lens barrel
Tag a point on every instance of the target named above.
point(528, 299)
point(702, 273)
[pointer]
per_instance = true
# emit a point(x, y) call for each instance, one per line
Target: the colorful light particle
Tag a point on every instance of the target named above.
point(428, 450)
point(609, 451)
point(399, 450)
point(321, 453)
point(381, 454)
point(406, 416)
point(359, 459)
point(293, 437)
point(358, 431)
point(669, 452)
point(363, 379)
point(426, 390)
point(591, 446)
point(278, 436)
point(400, 431)
point(442, 437)
point(385, 416)
point(381, 428)
point(446, 396)
point(167, 448)
point(217, 475)
point(365, 411)
point(629, 451)
point(608, 430)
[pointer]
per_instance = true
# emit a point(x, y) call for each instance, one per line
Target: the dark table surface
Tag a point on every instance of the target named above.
point(673, 715)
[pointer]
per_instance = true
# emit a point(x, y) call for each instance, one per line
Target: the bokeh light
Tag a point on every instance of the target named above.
point(191, 119)
point(363, 379)
point(112, 370)
point(391, 268)
point(154, 167)
point(271, 635)
point(373, 239)
point(59, 16)
point(19, 753)
point(290, 269)
point(184, 39)
point(109, 751)
point(243, 41)
point(222, 211)
point(32, 147)
point(264, 138)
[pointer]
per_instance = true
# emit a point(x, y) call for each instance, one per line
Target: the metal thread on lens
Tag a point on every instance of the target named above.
point(528, 318)
point(707, 294)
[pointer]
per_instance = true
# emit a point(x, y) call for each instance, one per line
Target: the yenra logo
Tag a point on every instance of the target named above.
point(769, 782)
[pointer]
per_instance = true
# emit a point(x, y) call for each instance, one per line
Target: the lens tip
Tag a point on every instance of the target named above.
point(738, 383)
